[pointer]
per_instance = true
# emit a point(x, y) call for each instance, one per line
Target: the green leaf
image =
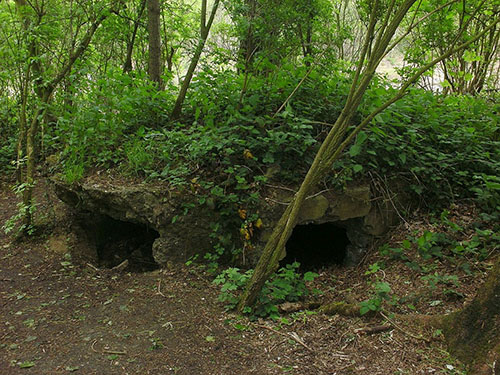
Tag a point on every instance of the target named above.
point(363, 310)
point(362, 136)
point(27, 364)
point(355, 150)
point(357, 168)
point(468, 77)
point(240, 327)
point(383, 287)
point(310, 276)
point(445, 83)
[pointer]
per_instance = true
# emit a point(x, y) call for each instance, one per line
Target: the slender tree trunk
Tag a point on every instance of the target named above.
point(31, 166)
point(204, 30)
point(154, 60)
point(170, 58)
point(21, 137)
point(248, 43)
point(127, 65)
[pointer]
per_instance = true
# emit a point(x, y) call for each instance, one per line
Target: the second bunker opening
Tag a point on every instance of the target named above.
point(317, 246)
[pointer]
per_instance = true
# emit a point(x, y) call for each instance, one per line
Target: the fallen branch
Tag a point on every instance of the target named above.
point(374, 329)
point(93, 267)
point(159, 291)
point(121, 266)
point(341, 308)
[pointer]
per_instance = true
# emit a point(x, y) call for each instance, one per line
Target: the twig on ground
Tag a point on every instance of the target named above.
point(106, 351)
point(402, 330)
point(291, 335)
point(92, 266)
point(159, 291)
point(296, 337)
point(117, 352)
point(346, 366)
point(121, 266)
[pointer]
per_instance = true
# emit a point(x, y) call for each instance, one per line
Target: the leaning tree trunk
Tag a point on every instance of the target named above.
point(204, 30)
point(329, 151)
point(336, 140)
point(473, 334)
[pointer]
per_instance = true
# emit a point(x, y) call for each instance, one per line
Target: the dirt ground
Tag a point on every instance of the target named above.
point(57, 317)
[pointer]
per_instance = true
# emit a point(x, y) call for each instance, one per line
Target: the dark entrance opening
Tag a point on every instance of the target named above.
point(317, 246)
point(117, 241)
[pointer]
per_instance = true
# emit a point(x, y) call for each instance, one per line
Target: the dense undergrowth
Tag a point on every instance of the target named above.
point(445, 147)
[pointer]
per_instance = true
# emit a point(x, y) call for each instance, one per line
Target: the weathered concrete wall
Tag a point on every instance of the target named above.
point(353, 209)
point(156, 208)
point(184, 235)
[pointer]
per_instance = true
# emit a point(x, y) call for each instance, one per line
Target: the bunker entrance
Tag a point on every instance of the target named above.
point(119, 241)
point(317, 246)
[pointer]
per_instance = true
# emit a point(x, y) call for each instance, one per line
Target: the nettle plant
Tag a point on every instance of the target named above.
point(286, 285)
point(436, 245)
point(380, 292)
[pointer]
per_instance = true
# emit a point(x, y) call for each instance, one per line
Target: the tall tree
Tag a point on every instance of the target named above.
point(154, 59)
point(43, 82)
point(127, 65)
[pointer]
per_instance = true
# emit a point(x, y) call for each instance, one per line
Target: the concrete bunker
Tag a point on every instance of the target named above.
point(316, 246)
point(334, 227)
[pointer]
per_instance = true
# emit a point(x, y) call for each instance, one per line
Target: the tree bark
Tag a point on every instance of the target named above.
point(248, 43)
point(21, 137)
point(154, 59)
